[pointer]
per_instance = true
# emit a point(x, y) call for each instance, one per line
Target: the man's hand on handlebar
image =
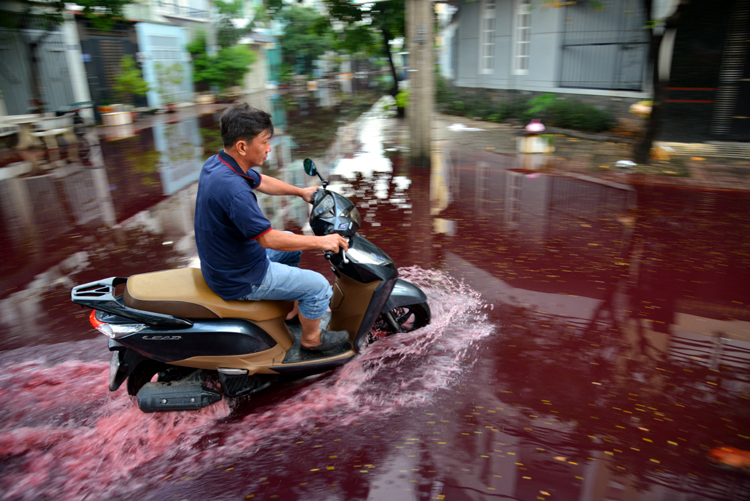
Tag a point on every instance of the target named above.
point(307, 193)
point(333, 242)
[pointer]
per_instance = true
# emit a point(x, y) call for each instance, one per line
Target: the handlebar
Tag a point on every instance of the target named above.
point(329, 254)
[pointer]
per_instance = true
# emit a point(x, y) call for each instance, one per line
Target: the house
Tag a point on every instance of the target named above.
point(30, 42)
point(598, 52)
point(153, 32)
point(519, 45)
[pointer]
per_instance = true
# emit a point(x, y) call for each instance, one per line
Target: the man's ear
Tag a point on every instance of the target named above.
point(241, 147)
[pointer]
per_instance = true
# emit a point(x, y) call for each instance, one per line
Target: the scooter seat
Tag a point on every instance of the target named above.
point(184, 293)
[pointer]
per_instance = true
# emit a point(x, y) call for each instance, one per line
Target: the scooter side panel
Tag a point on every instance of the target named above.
point(278, 330)
point(256, 363)
point(349, 304)
point(228, 337)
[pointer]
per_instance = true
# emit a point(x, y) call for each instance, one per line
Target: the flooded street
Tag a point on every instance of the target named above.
point(590, 339)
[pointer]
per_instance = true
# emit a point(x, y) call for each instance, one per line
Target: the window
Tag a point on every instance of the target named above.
point(487, 38)
point(521, 37)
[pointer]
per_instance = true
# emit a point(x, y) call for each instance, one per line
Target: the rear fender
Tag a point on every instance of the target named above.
point(123, 362)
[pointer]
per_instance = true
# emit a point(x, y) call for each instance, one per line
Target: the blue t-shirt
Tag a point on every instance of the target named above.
point(227, 223)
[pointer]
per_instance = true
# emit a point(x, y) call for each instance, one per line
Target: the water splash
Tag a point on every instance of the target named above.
point(63, 434)
point(400, 371)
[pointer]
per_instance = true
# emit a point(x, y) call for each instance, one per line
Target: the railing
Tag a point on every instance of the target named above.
point(172, 9)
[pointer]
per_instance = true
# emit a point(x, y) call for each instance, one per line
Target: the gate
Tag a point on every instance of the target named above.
point(15, 65)
point(604, 49)
point(102, 52)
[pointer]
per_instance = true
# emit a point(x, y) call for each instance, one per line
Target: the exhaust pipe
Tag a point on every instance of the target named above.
point(175, 396)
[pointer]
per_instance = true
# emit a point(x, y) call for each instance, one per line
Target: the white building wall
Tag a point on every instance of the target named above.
point(546, 39)
point(547, 25)
point(468, 45)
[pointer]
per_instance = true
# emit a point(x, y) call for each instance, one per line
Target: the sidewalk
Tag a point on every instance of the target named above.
point(714, 165)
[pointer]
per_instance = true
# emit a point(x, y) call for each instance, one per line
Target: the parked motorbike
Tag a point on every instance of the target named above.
point(170, 324)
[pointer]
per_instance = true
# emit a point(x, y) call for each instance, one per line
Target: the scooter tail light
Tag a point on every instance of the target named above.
point(102, 327)
point(114, 330)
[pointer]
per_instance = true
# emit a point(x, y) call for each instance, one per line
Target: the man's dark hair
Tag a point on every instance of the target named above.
point(241, 121)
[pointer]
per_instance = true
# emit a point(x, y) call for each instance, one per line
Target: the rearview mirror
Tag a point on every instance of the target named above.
point(310, 169)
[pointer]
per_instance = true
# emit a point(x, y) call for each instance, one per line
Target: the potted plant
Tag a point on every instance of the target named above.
point(169, 78)
point(129, 82)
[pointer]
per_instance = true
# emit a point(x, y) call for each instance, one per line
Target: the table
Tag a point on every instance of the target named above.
point(25, 124)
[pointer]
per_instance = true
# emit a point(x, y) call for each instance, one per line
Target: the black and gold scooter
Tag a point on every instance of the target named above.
point(170, 323)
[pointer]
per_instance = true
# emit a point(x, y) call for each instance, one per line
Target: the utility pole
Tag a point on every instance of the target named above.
point(419, 29)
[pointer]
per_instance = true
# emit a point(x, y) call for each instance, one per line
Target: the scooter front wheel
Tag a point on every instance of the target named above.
point(406, 318)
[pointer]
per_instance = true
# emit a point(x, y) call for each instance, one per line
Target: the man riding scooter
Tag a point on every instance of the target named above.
point(242, 256)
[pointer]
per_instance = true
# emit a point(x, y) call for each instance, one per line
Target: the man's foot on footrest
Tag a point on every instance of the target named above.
point(329, 340)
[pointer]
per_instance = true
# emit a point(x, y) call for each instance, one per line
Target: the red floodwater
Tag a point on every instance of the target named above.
point(64, 435)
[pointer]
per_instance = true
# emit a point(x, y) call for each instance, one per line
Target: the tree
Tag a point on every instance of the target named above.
point(227, 34)
point(307, 36)
point(47, 16)
point(359, 24)
point(387, 17)
point(642, 150)
point(223, 70)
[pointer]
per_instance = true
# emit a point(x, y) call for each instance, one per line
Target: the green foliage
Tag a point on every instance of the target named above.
point(387, 17)
point(573, 114)
point(198, 45)
point(287, 72)
point(230, 9)
point(552, 110)
point(540, 103)
point(128, 82)
point(101, 13)
point(226, 33)
point(307, 36)
point(359, 40)
point(225, 69)
point(402, 98)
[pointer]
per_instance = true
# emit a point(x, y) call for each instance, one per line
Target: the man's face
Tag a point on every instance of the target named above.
point(259, 148)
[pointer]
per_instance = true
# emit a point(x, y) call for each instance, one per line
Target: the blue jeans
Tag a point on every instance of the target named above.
point(284, 280)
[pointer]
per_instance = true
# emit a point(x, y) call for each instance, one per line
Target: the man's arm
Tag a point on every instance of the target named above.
point(288, 242)
point(272, 186)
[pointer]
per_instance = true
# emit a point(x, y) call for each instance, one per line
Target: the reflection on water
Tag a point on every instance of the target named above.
point(608, 355)
point(181, 153)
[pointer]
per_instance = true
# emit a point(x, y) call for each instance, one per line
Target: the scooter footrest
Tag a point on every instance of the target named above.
point(235, 386)
point(175, 396)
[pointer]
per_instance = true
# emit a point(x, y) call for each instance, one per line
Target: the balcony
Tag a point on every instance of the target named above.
point(182, 11)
